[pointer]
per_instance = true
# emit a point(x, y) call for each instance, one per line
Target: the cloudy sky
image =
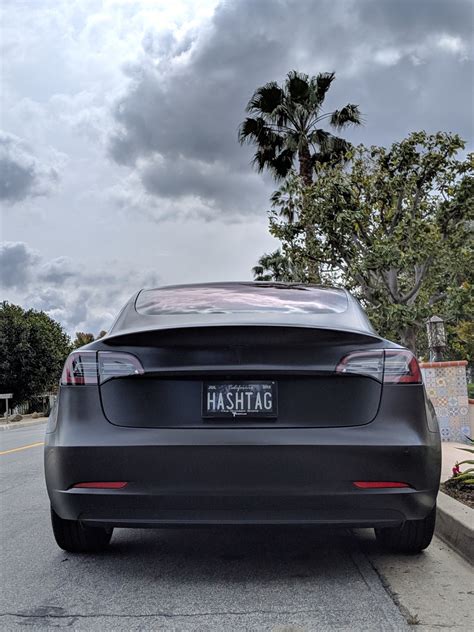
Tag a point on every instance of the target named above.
point(119, 161)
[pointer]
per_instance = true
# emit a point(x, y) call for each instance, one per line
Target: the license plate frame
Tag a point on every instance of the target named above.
point(239, 405)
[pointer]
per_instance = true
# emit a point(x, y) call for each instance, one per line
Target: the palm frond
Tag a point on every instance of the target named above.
point(282, 163)
point(328, 143)
point(349, 115)
point(263, 157)
point(266, 98)
point(256, 131)
point(339, 146)
point(297, 86)
point(251, 129)
point(332, 148)
point(322, 84)
point(320, 138)
point(280, 115)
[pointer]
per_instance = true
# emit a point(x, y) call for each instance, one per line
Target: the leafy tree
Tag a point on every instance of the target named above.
point(286, 124)
point(33, 348)
point(82, 339)
point(395, 226)
point(461, 339)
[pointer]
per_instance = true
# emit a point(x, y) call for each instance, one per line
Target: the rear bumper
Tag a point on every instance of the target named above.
point(146, 510)
point(300, 482)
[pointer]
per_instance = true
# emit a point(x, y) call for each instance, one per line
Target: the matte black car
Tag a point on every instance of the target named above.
point(242, 404)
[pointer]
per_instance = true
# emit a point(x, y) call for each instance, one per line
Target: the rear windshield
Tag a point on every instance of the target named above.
point(241, 298)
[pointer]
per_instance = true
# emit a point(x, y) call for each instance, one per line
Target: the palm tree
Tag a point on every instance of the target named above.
point(273, 266)
point(287, 200)
point(285, 125)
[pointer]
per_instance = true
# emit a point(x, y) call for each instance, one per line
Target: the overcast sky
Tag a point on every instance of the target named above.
point(119, 161)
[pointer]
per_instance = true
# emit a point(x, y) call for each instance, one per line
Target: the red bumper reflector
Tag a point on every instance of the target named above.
point(378, 484)
point(106, 485)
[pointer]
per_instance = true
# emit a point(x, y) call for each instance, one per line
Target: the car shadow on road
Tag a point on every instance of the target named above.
point(217, 554)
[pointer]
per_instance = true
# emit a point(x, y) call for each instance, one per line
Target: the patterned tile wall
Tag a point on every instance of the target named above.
point(446, 386)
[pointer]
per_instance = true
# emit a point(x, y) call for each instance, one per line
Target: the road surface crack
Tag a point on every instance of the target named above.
point(167, 615)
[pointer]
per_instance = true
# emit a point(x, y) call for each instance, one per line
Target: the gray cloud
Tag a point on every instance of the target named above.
point(408, 19)
point(17, 262)
point(22, 175)
point(80, 298)
point(57, 270)
point(216, 186)
point(406, 63)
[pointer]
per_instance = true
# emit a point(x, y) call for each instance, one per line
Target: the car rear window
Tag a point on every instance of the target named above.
point(241, 298)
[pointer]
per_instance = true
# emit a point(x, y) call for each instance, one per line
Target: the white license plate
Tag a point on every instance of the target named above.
point(240, 399)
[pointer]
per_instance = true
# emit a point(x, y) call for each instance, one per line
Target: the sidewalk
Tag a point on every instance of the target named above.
point(26, 422)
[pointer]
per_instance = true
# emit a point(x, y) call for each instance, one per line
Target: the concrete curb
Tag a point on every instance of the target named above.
point(26, 423)
point(455, 525)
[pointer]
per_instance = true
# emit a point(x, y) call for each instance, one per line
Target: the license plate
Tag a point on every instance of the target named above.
point(240, 399)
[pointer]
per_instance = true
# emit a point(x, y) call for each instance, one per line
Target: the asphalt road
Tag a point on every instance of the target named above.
point(282, 580)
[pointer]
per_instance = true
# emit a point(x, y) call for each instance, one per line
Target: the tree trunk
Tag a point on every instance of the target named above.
point(306, 174)
point(306, 168)
point(408, 338)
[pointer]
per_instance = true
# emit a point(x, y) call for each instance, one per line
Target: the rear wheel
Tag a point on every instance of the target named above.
point(412, 537)
point(74, 537)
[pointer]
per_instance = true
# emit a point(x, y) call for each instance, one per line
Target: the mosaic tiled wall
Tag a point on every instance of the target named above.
point(446, 386)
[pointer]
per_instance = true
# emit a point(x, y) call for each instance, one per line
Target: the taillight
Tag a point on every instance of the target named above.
point(80, 369)
point(389, 365)
point(118, 364)
point(362, 363)
point(83, 368)
point(401, 367)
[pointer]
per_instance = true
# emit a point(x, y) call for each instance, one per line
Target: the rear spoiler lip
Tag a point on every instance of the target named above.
point(122, 333)
point(249, 371)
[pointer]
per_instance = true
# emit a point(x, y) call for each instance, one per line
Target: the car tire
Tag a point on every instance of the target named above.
point(412, 537)
point(72, 536)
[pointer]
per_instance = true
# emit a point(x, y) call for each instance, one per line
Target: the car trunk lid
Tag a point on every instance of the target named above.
point(299, 361)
